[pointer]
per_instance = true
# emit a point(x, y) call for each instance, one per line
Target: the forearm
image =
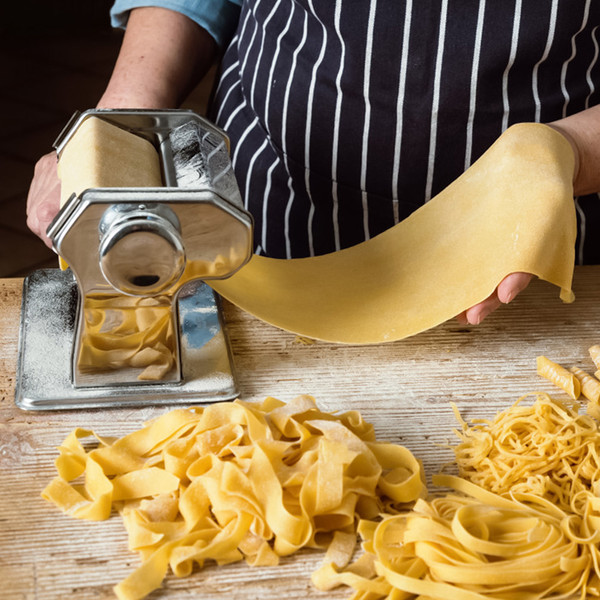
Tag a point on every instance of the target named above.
point(163, 56)
point(583, 131)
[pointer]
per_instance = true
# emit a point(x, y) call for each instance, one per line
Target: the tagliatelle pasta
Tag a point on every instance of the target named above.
point(523, 522)
point(474, 545)
point(234, 481)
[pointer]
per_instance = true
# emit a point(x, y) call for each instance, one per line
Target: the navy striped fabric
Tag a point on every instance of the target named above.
point(347, 115)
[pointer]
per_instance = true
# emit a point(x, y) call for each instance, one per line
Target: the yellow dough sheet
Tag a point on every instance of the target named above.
point(511, 211)
point(103, 155)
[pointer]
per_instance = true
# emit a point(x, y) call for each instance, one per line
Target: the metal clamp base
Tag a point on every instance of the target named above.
point(43, 378)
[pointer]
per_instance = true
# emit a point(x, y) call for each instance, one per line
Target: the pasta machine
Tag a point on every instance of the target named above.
point(131, 321)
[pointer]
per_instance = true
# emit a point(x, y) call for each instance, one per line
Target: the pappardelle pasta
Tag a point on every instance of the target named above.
point(234, 481)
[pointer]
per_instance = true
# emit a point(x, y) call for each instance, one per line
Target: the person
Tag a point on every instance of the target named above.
point(346, 116)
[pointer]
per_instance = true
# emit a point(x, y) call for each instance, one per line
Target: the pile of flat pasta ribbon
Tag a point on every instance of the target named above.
point(234, 481)
point(525, 524)
point(128, 332)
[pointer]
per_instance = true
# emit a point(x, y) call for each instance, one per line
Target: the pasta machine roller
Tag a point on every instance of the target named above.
point(131, 321)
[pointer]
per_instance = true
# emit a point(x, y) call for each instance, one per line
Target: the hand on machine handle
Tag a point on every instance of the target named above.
point(43, 199)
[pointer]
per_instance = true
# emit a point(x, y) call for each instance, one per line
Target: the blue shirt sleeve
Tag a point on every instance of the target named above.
point(218, 17)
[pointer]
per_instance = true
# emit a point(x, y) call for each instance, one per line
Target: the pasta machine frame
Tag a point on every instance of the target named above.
point(200, 188)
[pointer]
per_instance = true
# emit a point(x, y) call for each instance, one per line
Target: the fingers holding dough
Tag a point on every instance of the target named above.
point(511, 211)
point(508, 289)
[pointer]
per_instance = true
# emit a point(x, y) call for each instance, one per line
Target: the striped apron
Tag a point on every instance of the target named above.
point(347, 115)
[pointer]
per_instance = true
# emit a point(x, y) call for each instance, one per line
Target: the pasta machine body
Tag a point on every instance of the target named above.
point(131, 321)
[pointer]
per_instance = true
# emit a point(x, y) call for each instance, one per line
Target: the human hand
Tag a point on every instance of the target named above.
point(43, 199)
point(581, 130)
point(506, 291)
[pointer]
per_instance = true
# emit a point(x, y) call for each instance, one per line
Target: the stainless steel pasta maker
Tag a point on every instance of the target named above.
point(138, 254)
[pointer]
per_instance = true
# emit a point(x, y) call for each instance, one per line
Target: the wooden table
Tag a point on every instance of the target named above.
point(403, 388)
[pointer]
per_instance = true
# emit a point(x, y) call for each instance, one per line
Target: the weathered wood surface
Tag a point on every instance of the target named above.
point(403, 388)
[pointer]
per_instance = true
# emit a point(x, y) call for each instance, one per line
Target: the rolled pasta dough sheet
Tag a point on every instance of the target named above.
point(102, 155)
point(512, 210)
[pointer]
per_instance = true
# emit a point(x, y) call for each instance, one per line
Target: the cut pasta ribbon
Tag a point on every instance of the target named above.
point(473, 546)
point(511, 211)
point(522, 524)
point(124, 331)
point(234, 481)
point(547, 449)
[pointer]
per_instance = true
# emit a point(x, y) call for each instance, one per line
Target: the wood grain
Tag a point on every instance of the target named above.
point(403, 388)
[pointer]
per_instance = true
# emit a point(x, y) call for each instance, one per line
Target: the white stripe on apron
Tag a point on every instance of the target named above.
point(344, 117)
